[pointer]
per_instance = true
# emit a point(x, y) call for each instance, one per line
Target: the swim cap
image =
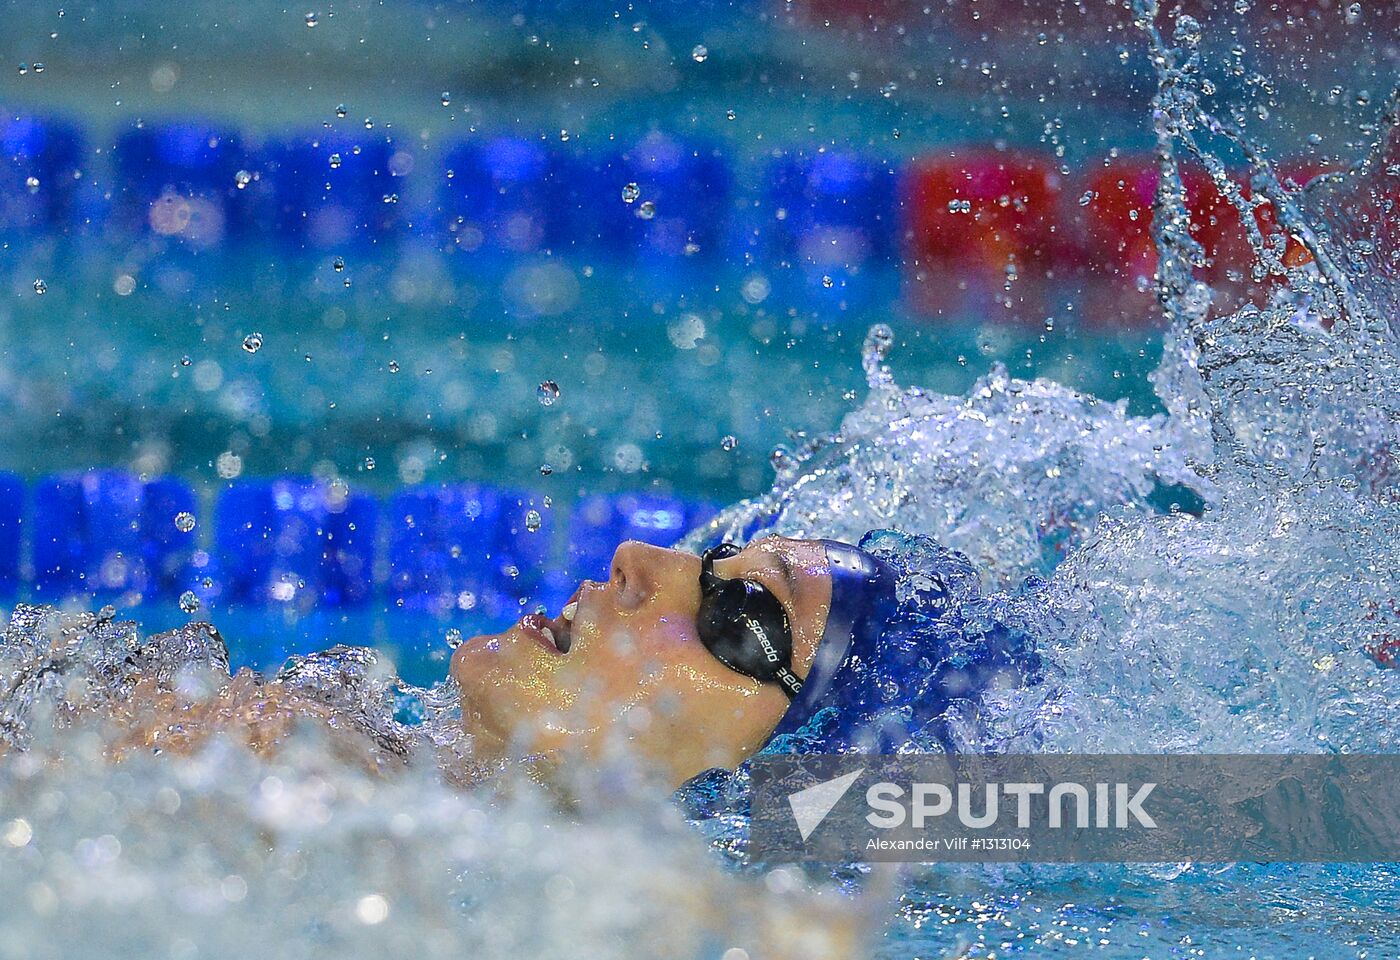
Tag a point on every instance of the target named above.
point(862, 602)
point(897, 669)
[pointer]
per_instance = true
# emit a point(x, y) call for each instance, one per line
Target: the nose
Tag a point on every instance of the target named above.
point(641, 571)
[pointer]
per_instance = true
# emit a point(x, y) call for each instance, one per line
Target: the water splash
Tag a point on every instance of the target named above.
point(1012, 474)
point(1265, 624)
point(347, 840)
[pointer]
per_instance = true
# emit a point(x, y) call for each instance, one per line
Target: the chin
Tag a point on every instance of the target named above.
point(476, 654)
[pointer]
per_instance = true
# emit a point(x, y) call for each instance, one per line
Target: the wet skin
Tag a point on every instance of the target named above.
point(636, 683)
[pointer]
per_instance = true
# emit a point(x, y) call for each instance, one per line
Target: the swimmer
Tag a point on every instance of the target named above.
point(691, 663)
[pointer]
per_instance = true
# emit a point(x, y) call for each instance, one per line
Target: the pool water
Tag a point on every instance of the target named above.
point(1261, 618)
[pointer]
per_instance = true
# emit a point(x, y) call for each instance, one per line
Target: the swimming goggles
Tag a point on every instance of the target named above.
point(744, 625)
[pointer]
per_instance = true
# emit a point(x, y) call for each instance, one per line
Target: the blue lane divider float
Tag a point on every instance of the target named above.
point(11, 532)
point(442, 547)
point(40, 171)
point(335, 191)
point(296, 542)
point(600, 523)
point(830, 218)
point(107, 533)
point(177, 180)
point(656, 202)
point(304, 545)
point(494, 196)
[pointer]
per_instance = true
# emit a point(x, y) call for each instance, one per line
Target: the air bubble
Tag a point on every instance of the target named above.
point(630, 192)
point(312, 19)
point(40, 287)
point(241, 179)
point(454, 638)
point(729, 442)
point(189, 603)
point(647, 210)
point(532, 521)
point(253, 342)
point(548, 392)
point(338, 264)
point(33, 184)
point(341, 111)
point(184, 521)
point(699, 53)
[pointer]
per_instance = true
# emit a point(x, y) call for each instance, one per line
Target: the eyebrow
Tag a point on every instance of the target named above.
point(789, 572)
point(789, 575)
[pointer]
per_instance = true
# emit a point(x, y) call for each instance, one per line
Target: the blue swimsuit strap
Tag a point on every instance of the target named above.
point(862, 601)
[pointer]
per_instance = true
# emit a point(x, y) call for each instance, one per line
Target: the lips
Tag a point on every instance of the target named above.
point(555, 634)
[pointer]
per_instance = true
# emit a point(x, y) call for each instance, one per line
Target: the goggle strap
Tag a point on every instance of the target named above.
point(789, 681)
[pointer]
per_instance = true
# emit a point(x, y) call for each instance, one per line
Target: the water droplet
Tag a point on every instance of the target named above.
point(189, 603)
point(532, 521)
point(23, 69)
point(828, 282)
point(454, 638)
point(959, 206)
point(548, 392)
point(341, 111)
point(729, 442)
point(229, 464)
point(1241, 6)
point(699, 53)
point(393, 366)
point(253, 342)
point(446, 98)
point(39, 67)
point(335, 161)
point(630, 192)
point(1188, 31)
point(546, 469)
point(1087, 197)
point(242, 178)
point(312, 19)
point(730, 114)
point(1353, 15)
point(339, 264)
point(185, 361)
point(33, 184)
point(184, 521)
point(40, 287)
point(647, 210)
point(879, 341)
point(369, 463)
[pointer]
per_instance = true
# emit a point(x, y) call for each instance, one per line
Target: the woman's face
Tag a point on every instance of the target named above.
point(636, 681)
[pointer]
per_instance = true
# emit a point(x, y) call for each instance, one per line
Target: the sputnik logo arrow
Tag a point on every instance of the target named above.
point(811, 805)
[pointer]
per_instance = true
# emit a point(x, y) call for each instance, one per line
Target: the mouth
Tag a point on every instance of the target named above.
point(555, 634)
